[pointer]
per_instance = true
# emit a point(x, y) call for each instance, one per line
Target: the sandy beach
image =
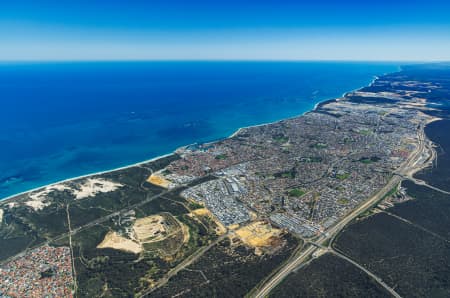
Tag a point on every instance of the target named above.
point(316, 106)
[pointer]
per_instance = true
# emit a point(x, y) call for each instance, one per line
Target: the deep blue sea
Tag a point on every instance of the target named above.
point(61, 120)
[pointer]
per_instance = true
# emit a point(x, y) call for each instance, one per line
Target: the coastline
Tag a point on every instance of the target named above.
point(9, 198)
point(318, 105)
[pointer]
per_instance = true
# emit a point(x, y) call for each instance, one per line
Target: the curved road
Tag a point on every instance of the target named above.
point(410, 165)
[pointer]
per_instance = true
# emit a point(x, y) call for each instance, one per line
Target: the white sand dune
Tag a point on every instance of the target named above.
point(38, 199)
point(89, 188)
point(93, 186)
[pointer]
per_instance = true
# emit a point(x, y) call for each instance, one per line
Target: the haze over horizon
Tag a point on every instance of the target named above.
point(256, 30)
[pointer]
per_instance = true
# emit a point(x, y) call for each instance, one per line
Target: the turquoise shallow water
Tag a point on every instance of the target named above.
point(61, 120)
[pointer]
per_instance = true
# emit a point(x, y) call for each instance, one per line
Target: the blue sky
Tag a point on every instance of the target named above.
point(224, 30)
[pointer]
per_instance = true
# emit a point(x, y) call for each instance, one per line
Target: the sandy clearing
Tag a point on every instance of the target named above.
point(150, 227)
point(14, 196)
point(221, 229)
point(115, 241)
point(93, 186)
point(37, 199)
point(319, 252)
point(90, 187)
point(12, 205)
point(233, 226)
point(258, 234)
point(202, 212)
point(1, 216)
point(36, 204)
point(158, 180)
point(185, 230)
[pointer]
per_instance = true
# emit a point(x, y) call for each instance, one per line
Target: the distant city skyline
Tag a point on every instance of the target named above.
point(204, 30)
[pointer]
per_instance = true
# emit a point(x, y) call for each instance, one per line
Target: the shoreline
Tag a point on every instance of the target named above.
point(9, 198)
point(316, 106)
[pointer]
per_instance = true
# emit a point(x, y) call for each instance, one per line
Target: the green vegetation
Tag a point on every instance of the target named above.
point(47, 273)
point(365, 160)
point(343, 201)
point(296, 192)
point(161, 163)
point(315, 159)
point(167, 172)
point(311, 159)
point(342, 176)
point(391, 192)
point(418, 261)
point(125, 274)
point(199, 234)
point(369, 160)
point(194, 205)
point(14, 239)
point(259, 174)
point(221, 157)
point(98, 268)
point(167, 247)
point(110, 272)
point(365, 132)
point(231, 269)
point(257, 146)
point(290, 174)
point(319, 146)
point(280, 138)
point(328, 276)
point(366, 214)
point(410, 255)
point(429, 209)
point(348, 140)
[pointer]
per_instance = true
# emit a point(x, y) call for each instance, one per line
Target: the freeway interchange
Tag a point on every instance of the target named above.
point(408, 168)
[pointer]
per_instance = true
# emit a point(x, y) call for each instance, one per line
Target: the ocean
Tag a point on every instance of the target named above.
point(62, 120)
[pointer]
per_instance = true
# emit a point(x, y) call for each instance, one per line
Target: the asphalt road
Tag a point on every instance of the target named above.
point(407, 168)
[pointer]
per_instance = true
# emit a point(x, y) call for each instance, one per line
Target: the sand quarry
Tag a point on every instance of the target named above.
point(258, 234)
point(151, 228)
point(115, 241)
point(158, 180)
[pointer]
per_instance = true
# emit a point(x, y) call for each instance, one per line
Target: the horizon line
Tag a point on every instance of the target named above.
point(221, 60)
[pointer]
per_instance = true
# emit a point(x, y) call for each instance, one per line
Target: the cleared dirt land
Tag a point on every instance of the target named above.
point(115, 241)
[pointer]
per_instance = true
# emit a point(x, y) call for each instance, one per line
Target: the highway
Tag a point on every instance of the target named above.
point(148, 198)
point(376, 278)
point(409, 167)
point(305, 255)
